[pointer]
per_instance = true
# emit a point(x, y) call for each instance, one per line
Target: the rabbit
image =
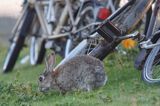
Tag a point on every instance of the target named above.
point(81, 72)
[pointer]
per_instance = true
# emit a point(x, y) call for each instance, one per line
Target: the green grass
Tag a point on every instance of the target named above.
point(124, 87)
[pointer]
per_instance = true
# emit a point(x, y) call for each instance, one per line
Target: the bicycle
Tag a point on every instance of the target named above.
point(44, 26)
point(150, 72)
point(109, 6)
point(116, 26)
point(22, 29)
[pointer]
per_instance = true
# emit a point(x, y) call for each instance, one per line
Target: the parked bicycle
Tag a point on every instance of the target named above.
point(44, 27)
point(38, 19)
point(116, 28)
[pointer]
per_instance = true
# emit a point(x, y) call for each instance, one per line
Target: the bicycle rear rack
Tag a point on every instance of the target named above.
point(109, 32)
point(112, 34)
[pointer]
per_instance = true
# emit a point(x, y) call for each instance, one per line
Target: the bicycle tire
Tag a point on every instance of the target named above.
point(37, 44)
point(148, 71)
point(41, 53)
point(37, 50)
point(17, 42)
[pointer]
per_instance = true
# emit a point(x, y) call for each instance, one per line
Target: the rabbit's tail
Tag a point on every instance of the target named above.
point(101, 82)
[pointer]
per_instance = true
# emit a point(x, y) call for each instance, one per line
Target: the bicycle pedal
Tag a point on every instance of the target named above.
point(144, 44)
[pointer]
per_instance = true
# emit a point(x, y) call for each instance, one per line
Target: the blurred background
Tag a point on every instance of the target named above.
point(9, 11)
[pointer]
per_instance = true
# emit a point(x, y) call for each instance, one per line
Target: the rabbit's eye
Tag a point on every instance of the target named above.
point(41, 78)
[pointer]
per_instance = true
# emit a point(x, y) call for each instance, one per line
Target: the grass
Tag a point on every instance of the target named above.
point(124, 87)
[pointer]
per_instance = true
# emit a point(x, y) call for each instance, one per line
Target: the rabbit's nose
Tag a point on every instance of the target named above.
point(41, 78)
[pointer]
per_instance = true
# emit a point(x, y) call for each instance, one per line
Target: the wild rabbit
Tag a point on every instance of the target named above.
point(79, 73)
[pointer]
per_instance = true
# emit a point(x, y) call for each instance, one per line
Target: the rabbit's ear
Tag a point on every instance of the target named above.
point(50, 61)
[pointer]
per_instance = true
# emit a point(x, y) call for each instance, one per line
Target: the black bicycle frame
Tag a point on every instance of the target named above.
point(121, 22)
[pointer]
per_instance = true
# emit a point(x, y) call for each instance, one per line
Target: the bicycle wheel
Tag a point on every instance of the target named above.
point(142, 55)
point(18, 42)
point(37, 50)
point(37, 43)
point(151, 70)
